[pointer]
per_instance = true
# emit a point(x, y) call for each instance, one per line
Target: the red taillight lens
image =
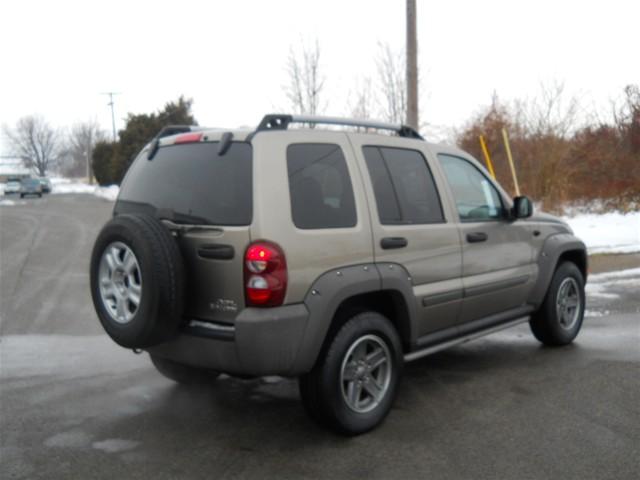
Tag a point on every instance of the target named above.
point(265, 274)
point(188, 138)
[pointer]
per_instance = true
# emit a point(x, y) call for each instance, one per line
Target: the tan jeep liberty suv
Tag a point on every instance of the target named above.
point(329, 254)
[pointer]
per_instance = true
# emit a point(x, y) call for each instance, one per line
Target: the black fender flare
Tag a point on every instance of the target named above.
point(332, 288)
point(547, 261)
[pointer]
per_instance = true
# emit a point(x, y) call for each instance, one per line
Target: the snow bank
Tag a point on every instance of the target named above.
point(612, 232)
point(65, 185)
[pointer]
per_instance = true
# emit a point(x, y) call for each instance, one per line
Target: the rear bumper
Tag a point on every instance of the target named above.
point(263, 341)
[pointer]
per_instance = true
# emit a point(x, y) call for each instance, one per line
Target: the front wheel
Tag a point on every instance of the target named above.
point(560, 316)
point(353, 385)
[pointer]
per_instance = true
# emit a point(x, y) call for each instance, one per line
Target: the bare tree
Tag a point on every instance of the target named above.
point(552, 112)
point(80, 143)
point(35, 141)
point(626, 117)
point(361, 102)
point(392, 84)
point(306, 80)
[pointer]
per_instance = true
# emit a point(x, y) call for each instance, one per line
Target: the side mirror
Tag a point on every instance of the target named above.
point(522, 207)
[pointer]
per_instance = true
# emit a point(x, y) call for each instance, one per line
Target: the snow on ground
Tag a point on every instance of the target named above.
point(10, 203)
point(600, 284)
point(65, 185)
point(612, 232)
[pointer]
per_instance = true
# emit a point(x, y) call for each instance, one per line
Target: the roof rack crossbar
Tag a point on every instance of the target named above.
point(282, 121)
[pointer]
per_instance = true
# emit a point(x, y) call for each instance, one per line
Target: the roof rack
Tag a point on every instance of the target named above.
point(277, 121)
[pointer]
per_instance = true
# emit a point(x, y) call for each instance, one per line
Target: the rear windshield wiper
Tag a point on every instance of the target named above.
point(182, 223)
point(188, 227)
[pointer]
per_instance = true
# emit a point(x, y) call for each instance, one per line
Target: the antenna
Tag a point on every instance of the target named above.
point(113, 117)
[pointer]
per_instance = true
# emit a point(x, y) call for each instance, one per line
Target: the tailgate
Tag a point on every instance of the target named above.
point(213, 262)
point(205, 197)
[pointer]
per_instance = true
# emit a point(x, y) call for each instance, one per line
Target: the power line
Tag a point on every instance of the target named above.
point(113, 116)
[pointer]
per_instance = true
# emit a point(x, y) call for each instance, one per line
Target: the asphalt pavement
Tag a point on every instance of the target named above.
point(75, 405)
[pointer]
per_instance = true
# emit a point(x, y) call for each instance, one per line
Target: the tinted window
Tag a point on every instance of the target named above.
point(320, 187)
point(191, 183)
point(403, 185)
point(476, 198)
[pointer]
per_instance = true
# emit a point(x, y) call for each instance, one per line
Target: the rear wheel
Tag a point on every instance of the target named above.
point(183, 374)
point(353, 385)
point(560, 316)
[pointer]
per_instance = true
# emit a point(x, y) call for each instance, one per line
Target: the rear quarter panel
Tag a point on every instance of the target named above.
point(309, 253)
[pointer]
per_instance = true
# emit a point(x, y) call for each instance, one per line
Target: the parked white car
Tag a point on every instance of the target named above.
point(12, 186)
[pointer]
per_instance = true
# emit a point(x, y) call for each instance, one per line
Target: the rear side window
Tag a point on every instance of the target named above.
point(191, 183)
point(403, 185)
point(320, 187)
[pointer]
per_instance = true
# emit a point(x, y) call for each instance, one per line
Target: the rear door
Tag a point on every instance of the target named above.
point(497, 255)
point(206, 199)
point(412, 226)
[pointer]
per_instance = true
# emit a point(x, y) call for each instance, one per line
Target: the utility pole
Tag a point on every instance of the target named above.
point(113, 116)
point(412, 66)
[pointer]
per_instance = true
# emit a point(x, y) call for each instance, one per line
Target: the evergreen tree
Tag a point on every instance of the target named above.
point(112, 160)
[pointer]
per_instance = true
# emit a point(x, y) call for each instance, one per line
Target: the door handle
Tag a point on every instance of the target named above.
point(216, 252)
point(393, 242)
point(476, 237)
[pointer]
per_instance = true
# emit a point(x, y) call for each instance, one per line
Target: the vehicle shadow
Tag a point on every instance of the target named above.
point(245, 414)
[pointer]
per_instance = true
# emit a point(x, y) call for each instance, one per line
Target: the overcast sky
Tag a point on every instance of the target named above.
point(230, 56)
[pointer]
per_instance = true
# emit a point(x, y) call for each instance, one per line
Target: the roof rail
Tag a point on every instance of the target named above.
point(277, 121)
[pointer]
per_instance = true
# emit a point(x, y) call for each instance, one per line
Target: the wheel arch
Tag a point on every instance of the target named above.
point(576, 256)
point(556, 249)
point(389, 303)
point(340, 293)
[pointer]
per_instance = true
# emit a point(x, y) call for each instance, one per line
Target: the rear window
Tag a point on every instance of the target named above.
point(191, 183)
point(320, 187)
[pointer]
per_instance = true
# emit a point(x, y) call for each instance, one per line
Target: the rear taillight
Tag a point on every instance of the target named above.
point(265, 274)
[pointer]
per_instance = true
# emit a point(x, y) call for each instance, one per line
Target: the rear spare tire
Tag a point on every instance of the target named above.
point(137, 281)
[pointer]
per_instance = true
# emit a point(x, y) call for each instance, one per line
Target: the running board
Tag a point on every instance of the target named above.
point(410, 357)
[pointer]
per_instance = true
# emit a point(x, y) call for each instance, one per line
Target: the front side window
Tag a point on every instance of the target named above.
point(475, 196)
point(320, 187)
point(403, 186)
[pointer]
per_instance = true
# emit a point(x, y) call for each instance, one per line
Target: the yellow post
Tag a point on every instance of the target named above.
point(510, 158)
point(487, 158)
